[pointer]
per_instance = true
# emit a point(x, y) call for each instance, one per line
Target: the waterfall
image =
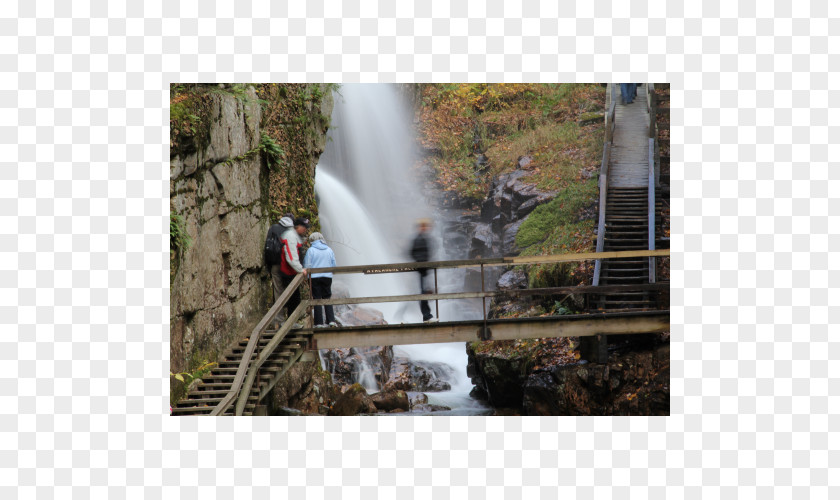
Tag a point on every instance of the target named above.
point(369, 203)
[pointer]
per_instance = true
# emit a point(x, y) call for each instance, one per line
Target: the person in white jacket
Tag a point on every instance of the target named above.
point(289, 233)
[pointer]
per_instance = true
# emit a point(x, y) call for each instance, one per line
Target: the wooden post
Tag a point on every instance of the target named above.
point(483, 307)
point(437, 309)
point(593, 349)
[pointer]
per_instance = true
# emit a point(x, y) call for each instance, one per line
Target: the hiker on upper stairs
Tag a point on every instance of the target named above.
point(628, 92)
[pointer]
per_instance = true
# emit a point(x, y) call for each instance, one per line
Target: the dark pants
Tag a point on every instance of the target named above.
point(424, 304)
point(321, 289)
point(294, 300)
point(628, 92)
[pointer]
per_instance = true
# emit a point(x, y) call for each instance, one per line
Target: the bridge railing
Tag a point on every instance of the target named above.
point(482, 263)
point(248, 368)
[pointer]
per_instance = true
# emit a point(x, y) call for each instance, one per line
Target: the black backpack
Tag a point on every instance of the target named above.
point(273, 252)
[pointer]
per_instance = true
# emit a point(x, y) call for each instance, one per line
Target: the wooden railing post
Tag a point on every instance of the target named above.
point(437, 309)
point(651, 187)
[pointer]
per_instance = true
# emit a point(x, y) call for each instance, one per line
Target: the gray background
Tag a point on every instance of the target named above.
point(83, 257)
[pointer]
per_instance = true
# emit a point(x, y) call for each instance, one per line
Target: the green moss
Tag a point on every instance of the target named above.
point(557, 220)
point(179, 240)
point(556, 228)
point(590, 117)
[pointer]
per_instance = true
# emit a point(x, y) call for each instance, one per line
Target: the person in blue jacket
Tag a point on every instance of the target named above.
point(320, 255)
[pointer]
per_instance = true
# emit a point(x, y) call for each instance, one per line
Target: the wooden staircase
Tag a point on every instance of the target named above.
point(213, 388)
point(626, 228)
point(251, 368)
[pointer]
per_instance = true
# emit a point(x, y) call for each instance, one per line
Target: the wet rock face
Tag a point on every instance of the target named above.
point(217, 287)
point(482, 243)
point(509, 202)
point(513, 280)
point(305, 388)
point(353, 402)
point(498, 377)
point(420, 376)
point(634, 383)
point(347, 365)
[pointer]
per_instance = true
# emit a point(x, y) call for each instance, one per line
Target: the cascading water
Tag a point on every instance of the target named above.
point(369, 203)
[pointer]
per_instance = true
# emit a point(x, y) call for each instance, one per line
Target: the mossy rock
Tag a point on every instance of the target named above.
point(587, 118)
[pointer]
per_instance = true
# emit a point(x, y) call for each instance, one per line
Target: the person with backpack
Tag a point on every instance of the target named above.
point(421, 252)
point(320, 255)
point(282, 257)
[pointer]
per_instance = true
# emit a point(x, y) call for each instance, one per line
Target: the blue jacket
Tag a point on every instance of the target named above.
point(319, 255)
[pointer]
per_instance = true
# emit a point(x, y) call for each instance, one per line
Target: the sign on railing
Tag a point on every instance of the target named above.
point(389, 270)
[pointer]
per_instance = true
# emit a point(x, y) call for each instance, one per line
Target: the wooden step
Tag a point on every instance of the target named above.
point(192, 403)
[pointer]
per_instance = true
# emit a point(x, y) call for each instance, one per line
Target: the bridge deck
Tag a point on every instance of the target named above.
point(577, 325)
point(629, 157)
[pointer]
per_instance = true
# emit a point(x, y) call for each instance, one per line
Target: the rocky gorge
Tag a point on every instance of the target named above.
point(239, 160)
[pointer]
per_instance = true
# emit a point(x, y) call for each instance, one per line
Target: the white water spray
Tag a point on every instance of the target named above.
point(369, 202)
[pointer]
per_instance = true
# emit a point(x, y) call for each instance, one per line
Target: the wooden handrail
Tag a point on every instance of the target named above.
point(252, 344)
point(268, 350)
point(398, 267)
point(498, 293)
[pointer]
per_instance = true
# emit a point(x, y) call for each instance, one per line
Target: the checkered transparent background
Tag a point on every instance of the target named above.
point(83, 267)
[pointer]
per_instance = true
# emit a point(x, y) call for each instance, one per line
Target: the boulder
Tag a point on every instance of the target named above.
point(588, 118)
point(530, 204)
point(481, 244)
point(513, 280)
point(392, 399)
point(509, 246)
point(417, 398)
point(419, 376)
point(489, 209)
point(362, 316)
point(305, 388)
point(353, 402)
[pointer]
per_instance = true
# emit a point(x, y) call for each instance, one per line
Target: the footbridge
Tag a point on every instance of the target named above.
point(251, 368)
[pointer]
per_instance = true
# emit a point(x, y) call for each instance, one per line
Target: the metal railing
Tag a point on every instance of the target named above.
point(603, 178)
point(651, 108)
